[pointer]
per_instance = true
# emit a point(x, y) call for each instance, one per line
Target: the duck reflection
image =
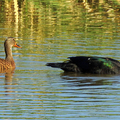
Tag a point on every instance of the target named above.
point(8, 80)
point(87, 79)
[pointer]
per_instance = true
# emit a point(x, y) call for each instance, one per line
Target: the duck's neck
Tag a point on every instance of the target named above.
point(9, 57)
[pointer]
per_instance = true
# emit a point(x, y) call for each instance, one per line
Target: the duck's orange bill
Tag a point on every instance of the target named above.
point(17, 46)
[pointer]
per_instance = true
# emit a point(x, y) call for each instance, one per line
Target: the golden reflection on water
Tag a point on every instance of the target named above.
point(57, 27)
point(45, 19)
point(61, 27)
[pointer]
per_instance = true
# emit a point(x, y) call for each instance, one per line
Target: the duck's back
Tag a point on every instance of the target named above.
point(96, 65)
point(4, 65)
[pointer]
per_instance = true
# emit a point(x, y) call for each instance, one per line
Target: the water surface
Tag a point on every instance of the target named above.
point(51, 31)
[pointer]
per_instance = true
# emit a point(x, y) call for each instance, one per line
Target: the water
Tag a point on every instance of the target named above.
point(51, 32)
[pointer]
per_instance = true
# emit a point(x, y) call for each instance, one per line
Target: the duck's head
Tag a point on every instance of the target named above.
point(10, 42)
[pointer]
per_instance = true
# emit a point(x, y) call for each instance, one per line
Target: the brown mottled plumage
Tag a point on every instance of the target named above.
point(8, 62)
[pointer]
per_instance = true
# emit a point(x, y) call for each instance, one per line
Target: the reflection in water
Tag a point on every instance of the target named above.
point(8, 79)
point(70, 15)
point(87, 79)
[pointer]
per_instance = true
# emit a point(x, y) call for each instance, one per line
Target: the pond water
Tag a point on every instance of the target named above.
point(50, 31)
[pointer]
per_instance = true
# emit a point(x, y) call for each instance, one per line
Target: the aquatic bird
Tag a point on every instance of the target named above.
point(86, 64)
point(8, 62)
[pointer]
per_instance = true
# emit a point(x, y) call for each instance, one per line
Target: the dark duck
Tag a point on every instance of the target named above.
point(92, 65)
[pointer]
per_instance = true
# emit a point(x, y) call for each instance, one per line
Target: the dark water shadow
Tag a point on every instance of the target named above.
point(90, 79)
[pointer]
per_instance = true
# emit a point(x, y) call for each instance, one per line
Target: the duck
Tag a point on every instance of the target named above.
point(89, 65)
point(8, 62)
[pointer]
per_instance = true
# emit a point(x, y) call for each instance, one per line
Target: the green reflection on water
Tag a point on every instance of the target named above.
point(62, 27)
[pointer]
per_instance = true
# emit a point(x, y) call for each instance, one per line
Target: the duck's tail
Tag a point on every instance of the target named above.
point(68, 67)
point(55, 65)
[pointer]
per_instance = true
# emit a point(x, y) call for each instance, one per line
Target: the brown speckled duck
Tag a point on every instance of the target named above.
point(8, 62)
